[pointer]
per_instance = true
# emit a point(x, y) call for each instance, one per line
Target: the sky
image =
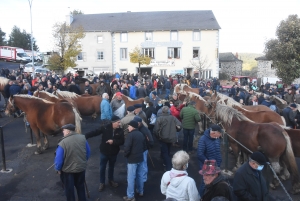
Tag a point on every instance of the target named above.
point(245, 24)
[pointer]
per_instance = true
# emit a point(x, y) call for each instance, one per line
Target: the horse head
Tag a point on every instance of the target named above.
point(10, 107)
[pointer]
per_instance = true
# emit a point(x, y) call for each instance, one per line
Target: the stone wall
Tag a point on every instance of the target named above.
point(264, 69)
point(231, 68)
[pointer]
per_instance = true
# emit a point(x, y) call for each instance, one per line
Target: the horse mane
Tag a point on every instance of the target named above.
point(3, 81)
point(280, 100)
point(32, 97)
point(67, 94)
point(47, 93)
point(192, 94)
point(230, 101)
point(226, 113)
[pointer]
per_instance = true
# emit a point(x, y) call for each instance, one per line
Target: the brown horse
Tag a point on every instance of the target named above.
point(269, 138)
point(261, 116)
point(94, 87)
point(184, 88)
point(295, 139)
point(87, 105)
point(128, 101)
point(44, 116)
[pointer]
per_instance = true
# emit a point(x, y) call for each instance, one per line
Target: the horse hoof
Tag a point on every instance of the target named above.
point(37, 152)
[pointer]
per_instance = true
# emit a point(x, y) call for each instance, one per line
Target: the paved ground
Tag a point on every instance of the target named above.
point(29, 180)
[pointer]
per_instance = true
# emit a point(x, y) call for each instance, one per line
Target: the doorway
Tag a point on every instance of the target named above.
point(145, 70)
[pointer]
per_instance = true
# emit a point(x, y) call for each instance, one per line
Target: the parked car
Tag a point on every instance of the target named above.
point(29, 68)
point(41, 70)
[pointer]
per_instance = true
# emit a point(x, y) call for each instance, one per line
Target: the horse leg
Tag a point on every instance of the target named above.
point(94, 116)
point(38, 140)
point(46, 142)
point(236, 153)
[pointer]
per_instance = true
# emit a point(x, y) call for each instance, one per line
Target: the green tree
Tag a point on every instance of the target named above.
point(76, 12)
point(284, 51)
point(67, 44)
point(200, 64)
point(21, 39)
point(137, 56)
point(2, 37)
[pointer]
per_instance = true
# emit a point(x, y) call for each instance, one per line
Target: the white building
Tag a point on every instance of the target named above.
point(171, 38)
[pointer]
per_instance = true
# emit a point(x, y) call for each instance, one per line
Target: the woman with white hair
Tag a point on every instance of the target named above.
point(176, 183)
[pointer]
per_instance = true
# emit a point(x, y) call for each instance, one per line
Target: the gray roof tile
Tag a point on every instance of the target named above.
point(147, 21)
point(227, 57)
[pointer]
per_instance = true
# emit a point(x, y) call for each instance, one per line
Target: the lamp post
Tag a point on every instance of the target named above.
point(32, 54)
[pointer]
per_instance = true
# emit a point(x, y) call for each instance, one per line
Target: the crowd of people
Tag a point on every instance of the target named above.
point(136, 129)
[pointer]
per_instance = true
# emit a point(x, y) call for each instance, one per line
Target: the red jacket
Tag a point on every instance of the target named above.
point(155, 84)
point(175, 112)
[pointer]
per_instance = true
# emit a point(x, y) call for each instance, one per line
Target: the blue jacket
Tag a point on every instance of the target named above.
point(14, 89)
point(208, 149)
point(106, 111)
point(266, 103)
point(132, 92)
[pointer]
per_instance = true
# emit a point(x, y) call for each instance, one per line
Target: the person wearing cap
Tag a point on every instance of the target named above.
point(106, 111)
point(139, 112)
point(101, 89)
point(134, 147)
point(149, 142)
point(165, 129)
point(249, 182)
point(112, 139)
point(289, 114)
point(215, 184)
point(190, 117)
point(71, 157)
point(118, 105)
point(176, 183)
point(209, 149)
point(154, 98)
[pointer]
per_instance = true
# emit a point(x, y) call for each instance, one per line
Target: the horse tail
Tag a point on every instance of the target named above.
point(77, 120)
point(289, 159)
point(283, 120)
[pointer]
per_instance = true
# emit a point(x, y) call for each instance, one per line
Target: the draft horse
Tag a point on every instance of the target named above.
point(44, 116)
point(269, 138)
point(128, 101)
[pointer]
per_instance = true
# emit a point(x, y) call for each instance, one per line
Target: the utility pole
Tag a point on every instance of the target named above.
point(32, 53)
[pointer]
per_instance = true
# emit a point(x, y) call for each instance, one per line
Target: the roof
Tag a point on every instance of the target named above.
point(147, 21)
point(261, 58)
point(227, 57)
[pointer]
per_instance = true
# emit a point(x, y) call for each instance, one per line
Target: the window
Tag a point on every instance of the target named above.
point(148, 36)
point(272, 66)
point(123, 37)
point(174, 53)
point(149, 52)
point(100, 55)
point(123, 53)
point(80, 57)
point(163, 72)
point(196, 52)
point(99, 39)
point(196, 35)
point(174, 35)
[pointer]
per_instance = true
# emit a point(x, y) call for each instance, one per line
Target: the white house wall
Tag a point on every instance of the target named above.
point(161, 42)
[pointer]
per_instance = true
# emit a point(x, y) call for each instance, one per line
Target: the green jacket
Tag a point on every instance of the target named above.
point(190, 116)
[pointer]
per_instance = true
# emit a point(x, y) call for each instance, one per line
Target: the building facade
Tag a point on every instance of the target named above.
point(230, 64)
point(172, 44)
point(265, 68)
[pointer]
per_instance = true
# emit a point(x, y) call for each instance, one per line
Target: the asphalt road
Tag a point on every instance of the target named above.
point(30, 180)
point(9, 65)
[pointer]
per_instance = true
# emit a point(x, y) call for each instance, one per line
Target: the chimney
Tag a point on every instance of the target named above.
point(237, 55)
point(69, 19)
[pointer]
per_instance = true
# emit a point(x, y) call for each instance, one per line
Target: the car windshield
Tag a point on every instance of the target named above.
point(22, 54)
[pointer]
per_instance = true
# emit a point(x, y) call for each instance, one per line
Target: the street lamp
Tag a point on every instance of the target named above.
point(32, 54)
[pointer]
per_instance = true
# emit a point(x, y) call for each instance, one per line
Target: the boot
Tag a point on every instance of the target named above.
point(125, 198)
point(113, 184)
point(101, 187)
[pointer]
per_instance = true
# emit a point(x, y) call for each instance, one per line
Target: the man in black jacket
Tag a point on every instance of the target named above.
point(289, 115)
point(249, 183)
point(134, 147)
point(112, 139)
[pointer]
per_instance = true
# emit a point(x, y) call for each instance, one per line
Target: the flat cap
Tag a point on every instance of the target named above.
point(70, 127)
point(293, 105)
point(138, 106)
point(258, 157)
point(130, 108)
point(215, 127)
point(137, 119)
point(134, 124)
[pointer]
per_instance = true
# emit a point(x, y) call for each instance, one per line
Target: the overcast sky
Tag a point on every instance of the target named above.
point(245, 24)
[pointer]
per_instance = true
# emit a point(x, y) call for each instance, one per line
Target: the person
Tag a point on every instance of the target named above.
point(118, 105)
point(74, 88)
point(71, 157)
point(297, 97)
point(165, 129)
point(176, 183)
point(249, 183)
point(289, 115)
point(101, 89)
point(14, 89)
point(141, 92)
point(273, 107)
point(154, 98)
point(106, 111)
point(289, 97)
point(112, 139)
point(134, 147)
point(209, 148)
point(149, 143)
point(215, 184)
point(168, 88)
point(138, 111)
point(62, 87)
point(114, 89)
point(87, 88)
point(190, 117)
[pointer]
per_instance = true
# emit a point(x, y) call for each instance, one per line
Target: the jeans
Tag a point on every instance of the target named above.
point(202, 187)
point(194, 86)
point(165, 149)
point(74, 179)
point(188, 139)
point(135, 173)
point(167, 94)
point(111, 162)
point(159, 91)
point(145, 166)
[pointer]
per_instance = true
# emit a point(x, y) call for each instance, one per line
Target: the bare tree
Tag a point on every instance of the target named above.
point(200, 64)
